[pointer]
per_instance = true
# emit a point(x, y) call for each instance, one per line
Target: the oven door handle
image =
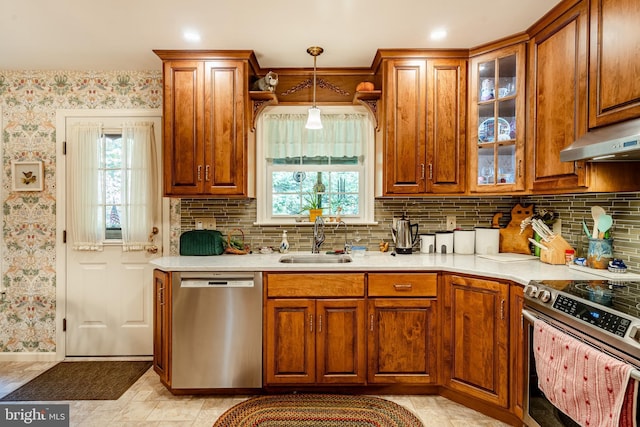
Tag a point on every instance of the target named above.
point(528, 316)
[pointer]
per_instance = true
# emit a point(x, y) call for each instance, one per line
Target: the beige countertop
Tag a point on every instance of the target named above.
point(517, 271)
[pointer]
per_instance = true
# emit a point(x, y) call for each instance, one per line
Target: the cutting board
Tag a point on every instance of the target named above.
point(511, 238)
point(508, 257)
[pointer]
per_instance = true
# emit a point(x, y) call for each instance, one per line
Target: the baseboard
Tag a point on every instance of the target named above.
point(28, 357)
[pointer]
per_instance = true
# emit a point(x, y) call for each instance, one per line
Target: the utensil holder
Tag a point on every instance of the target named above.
point(555, 251)
point(600, 253)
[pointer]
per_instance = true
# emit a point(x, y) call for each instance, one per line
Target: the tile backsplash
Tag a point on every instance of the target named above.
point(430, 214)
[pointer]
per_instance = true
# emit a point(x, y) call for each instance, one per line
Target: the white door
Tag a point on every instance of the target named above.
point(109, 293)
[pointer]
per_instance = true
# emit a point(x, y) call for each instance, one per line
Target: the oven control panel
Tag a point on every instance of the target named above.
point(602, 319)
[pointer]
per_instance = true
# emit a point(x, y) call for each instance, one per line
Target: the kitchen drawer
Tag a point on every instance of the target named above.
point(403, 285)
point(315, 285)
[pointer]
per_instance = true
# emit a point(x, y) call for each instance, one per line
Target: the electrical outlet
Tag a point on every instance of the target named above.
point(451, 222)
point(205, 223)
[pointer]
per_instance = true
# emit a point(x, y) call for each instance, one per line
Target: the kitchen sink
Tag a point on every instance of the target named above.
point(315, 259)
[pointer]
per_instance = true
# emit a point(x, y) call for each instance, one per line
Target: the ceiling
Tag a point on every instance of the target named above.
point(120, 34)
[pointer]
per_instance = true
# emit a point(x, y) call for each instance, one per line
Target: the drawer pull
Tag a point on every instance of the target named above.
point(320, 324)
point(402, 286)
point(311, 323)
point(199, 172)
point(371, 323)
point(206, 173)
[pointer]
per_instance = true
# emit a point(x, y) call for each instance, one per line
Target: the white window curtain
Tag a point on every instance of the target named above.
point(87, 221)
point(139, 188)
point(342, 135)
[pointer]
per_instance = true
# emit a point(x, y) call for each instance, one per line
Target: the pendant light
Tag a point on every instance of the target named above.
point(313, 121)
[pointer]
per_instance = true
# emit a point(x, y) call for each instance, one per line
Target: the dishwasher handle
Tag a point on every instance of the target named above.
point(216, 283)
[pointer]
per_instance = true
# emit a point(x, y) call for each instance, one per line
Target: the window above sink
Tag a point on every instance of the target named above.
point(333, 165)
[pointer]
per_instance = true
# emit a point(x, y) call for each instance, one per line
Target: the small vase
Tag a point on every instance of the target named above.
point(284, 244)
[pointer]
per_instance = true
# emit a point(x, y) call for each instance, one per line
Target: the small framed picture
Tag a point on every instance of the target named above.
point(27, 176)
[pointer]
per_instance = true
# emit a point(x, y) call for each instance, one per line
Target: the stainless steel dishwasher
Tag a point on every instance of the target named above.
point(216, 330)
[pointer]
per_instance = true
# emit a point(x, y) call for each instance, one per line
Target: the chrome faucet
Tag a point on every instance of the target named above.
point(318, 235)
point(347, 246)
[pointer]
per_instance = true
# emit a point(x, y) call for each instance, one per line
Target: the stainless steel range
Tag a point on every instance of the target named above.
point(602, 313)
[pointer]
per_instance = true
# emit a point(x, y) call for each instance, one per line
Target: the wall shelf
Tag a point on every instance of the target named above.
point(260, 99)
point(370, 100)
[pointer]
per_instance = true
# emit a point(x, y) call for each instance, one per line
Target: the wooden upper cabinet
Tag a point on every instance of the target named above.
point(183, 130)
point(497, 95)
point(405, 156)
point(558, 64)
point(424, 127)
point(225, 127)
point(446, 125)
point(206, 122)
point(614, 61)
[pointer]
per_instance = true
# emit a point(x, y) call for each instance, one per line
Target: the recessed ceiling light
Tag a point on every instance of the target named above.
point(191, 36)
point(438, 34)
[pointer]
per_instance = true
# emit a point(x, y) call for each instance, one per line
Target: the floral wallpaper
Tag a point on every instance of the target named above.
point(28, 101)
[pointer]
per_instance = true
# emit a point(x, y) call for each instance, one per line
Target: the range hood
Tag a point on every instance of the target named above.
point(619, 142)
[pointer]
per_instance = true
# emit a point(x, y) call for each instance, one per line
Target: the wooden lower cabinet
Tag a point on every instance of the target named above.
point(314, 328)
point(517, 368)
point(403, 329)
point(476, 319)
point(161, 324)
point(315, 341)
point(401, 343)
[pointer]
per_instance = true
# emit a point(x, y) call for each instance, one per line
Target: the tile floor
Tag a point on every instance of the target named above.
point(148, 403)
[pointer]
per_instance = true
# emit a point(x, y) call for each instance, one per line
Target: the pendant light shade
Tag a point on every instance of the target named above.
point(314, 121)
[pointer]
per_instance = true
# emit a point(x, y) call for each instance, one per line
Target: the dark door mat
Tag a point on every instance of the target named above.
point(101, 380)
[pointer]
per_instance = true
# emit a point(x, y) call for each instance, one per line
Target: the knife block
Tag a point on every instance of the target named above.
point(555, 250)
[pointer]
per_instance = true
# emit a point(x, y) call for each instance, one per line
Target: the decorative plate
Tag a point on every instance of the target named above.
point(486, 133)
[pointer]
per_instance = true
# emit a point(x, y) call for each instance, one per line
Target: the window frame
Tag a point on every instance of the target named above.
point(263, 190)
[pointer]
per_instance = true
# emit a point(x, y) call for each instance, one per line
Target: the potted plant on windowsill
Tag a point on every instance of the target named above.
point(313, 204)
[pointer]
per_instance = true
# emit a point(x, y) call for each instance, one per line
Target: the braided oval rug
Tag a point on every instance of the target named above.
point(317, 410)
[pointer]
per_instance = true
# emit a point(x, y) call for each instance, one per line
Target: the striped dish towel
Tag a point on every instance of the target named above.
point(584, 383)
point(630, 416)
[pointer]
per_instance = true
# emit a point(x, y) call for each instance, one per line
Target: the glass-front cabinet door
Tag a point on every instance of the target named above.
point(496, 121)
